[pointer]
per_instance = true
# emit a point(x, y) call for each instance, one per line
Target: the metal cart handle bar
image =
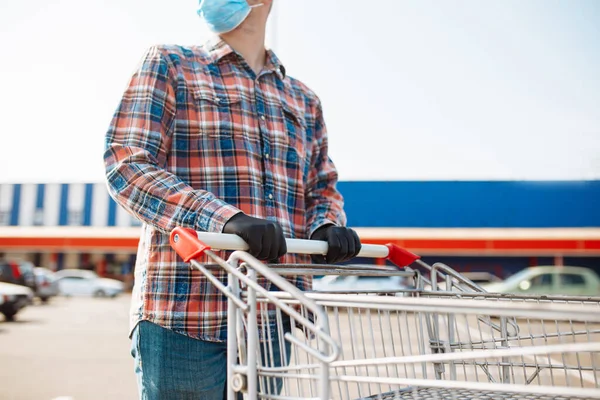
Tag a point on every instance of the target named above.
point(398, 256)
point(189, 247)
point(223, 241)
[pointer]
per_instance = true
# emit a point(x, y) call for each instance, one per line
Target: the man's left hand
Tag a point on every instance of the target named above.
point(343, 244)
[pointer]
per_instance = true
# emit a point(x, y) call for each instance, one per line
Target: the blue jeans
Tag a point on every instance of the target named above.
point(171, 366)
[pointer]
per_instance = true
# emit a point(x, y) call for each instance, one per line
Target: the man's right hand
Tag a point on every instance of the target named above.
point(265, 238)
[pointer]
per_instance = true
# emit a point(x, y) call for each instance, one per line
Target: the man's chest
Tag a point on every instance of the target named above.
point(236, 124)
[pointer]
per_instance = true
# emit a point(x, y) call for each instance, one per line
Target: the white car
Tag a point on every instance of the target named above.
point(13, 298)
point(352, 283)
point(77, 282)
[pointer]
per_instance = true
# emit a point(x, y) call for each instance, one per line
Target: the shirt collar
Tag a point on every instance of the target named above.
point(218, 49)
point(274, 64)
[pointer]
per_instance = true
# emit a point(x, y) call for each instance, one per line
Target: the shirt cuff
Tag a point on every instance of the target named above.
point(214, 220)
point(318, 224)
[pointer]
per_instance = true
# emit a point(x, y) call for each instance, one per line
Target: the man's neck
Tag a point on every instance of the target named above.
point(249, 41)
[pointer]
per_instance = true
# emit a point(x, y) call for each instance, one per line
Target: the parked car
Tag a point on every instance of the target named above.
point(46, 284)
point(350, 283)
point(550, 280)
point(27, 270)
point(14, 298)
point(17, 273)
point(481, 278)
point(77, 282)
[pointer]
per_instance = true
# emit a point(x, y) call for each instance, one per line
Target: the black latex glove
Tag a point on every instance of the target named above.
point(343, 243)
point(265, 238)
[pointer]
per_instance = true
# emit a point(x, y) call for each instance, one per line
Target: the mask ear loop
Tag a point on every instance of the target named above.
point(257, 5)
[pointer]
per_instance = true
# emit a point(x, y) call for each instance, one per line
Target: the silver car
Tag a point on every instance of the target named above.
point(351, 283)
point(77, 282)
point(46, 284)
point(550, 280)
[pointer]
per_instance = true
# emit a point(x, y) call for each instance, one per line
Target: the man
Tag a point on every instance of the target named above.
point(216, 138)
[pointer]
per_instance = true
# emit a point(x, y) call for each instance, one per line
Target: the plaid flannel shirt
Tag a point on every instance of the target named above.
point(197, 138)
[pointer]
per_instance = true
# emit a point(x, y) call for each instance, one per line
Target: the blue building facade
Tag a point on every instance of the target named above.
point(443, 205)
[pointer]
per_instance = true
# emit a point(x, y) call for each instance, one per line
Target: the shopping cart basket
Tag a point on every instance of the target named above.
point(441, 338)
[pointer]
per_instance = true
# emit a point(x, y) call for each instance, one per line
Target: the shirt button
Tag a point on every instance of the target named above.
point(262, 117)
point(267, 156)
point(270, 196)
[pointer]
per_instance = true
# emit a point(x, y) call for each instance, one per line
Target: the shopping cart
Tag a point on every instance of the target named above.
point(442, 337)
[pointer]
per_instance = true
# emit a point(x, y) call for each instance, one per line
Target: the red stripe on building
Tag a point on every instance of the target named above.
point(495, 246)
point(55, 243)
point(109, 241)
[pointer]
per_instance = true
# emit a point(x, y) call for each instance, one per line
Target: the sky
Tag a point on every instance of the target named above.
point(411, 89)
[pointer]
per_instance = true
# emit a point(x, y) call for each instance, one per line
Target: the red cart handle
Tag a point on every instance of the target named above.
point(399, 256)
point(186, 243)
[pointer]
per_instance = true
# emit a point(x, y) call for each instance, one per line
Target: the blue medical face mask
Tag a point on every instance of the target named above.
point(223, 16)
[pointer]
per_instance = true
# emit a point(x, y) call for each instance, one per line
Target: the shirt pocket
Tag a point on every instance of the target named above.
point(219, 112)
point(294, 137)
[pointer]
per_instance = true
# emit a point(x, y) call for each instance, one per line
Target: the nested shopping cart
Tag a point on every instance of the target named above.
point(439, 336)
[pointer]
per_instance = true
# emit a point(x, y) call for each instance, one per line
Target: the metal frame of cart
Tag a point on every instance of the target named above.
point(443, 338)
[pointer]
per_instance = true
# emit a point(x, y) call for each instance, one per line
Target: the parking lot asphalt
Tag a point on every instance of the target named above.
point(69, 349)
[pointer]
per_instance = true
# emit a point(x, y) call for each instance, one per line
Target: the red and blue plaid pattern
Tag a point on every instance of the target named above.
point(197, 138)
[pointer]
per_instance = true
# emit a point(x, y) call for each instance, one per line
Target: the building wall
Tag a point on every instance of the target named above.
point(473, 204)
point(506, 204)
point(55, 204)
point(442, 204)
